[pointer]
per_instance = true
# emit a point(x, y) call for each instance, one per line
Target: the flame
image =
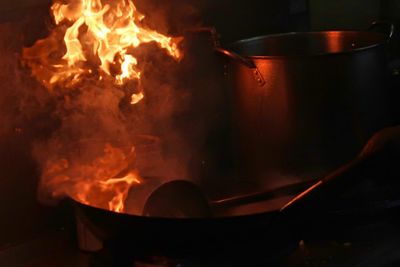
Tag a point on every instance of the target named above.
point(117, 202)
point(97, 39)
point(93, 183)
point(136, 98)
point(93, 41)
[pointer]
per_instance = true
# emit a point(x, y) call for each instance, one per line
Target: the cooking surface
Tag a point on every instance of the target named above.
point(325, 243)
point(377, 248)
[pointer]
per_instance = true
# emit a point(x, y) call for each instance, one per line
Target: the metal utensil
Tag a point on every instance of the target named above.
point(184, 199)
point(177, 199)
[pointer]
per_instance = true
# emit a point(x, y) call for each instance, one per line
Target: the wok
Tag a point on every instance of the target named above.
point(348, 197)
point(190, 237)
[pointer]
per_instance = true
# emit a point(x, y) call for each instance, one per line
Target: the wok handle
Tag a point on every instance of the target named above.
point(378, 158)
point(383, 24)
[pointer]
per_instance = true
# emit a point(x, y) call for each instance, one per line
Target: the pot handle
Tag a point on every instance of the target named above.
point(244, 61)
point(383, 24)
point(214, 37)
point(235, 57)
point(217, 47)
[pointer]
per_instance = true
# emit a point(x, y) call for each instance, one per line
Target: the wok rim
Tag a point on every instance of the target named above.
point(246, 41)
point(272, 214)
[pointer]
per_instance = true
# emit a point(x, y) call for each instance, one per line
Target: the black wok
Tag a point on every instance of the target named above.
point(190, 237)
point(362, 191)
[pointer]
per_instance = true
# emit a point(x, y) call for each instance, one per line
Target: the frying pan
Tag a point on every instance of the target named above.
point(270, 234)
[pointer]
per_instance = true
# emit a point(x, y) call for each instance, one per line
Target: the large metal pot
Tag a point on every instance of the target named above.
point(304, 103)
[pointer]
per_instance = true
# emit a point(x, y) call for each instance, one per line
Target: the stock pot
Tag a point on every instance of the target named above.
point(306, 102)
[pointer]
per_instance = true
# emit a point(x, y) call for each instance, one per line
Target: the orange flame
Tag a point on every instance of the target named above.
point(93, 41)
point(97, 40)
point(93, 183)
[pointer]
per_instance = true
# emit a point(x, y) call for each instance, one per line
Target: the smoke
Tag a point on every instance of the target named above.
point(172, 17)
point(7, 70)
point(87, 132)
point(22, 99)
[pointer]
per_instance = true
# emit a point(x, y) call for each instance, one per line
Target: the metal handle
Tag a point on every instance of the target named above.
point(283, 191)
point(232, 55)
point(244, 61)
point(211, 31)
point(383, 24)
point(229, 54)
point(215, 39)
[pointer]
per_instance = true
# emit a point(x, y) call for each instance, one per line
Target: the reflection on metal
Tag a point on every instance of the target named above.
point(302, 195)
point(259, 78)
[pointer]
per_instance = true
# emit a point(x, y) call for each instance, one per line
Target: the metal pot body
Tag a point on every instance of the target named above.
point(320, 99)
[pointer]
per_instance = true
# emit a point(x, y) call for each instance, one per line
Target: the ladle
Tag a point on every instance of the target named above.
point(182, 198)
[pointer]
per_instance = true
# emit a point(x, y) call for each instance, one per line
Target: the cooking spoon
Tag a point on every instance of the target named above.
point(181, 198)
point(177, 199)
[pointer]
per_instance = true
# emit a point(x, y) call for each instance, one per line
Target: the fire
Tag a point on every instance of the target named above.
point(93, 183)
point(93, 44)
point(117, 202)
point(136, 98)
point(98, 38)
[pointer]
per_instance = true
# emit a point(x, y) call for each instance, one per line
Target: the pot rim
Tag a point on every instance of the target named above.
point(246, 41)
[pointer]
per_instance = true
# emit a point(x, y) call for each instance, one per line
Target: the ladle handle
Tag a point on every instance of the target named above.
point(283, 191)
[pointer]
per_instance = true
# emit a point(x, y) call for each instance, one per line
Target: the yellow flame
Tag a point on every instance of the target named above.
point(112, 31)
point(93, 39)
point(128, 69)
point(92, 183)
point(122, 186)
point(98, 36)
point(136, 98)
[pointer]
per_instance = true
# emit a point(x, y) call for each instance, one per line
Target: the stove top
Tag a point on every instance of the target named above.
point(376, 245)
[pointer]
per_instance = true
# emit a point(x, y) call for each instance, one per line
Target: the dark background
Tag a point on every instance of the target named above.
point(237, 19)
point(20, 215)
